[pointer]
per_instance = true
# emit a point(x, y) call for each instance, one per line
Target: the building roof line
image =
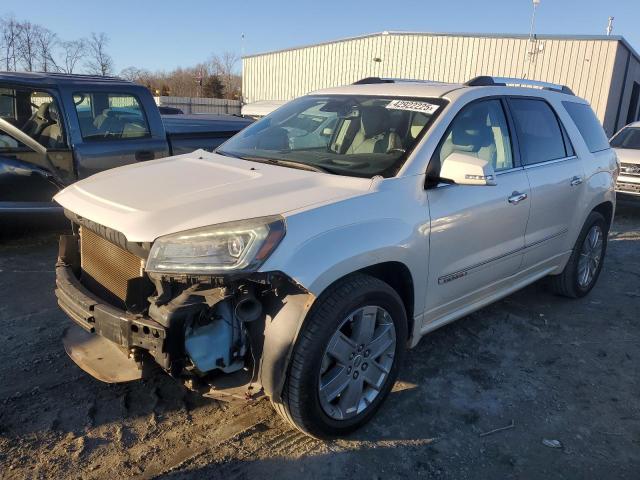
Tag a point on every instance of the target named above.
point(610, 38)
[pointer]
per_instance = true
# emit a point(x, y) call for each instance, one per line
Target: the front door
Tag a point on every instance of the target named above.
point(477, 232)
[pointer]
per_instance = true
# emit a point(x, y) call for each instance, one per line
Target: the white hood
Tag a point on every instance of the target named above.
point(147, 200)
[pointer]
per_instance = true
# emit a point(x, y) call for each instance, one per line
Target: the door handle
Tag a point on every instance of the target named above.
point(144, 155)
point(517, 197)
point(576, 181)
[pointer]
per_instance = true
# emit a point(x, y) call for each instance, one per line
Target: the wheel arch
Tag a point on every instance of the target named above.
point(606, 209)
point(283, 328)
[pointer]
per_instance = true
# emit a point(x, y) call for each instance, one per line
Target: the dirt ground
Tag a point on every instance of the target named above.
point(548, 367)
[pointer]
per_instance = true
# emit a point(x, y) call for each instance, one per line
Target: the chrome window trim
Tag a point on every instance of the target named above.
point(550, 162)
point(508, 170)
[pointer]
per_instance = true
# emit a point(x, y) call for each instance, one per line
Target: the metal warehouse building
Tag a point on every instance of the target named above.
point(603, 69)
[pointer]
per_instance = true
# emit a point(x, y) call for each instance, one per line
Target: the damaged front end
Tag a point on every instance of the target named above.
point(208, 327)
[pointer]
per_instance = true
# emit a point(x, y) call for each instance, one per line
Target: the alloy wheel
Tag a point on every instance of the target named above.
point(357, 362)
point(590, 256)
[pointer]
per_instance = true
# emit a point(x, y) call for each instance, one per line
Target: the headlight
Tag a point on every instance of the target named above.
point(223, 248)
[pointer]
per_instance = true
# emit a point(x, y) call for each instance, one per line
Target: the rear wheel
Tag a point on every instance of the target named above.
point(346, 358)
point(583, 268)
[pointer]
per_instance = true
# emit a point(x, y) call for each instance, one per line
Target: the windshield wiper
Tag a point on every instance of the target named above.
point(298, 165)
point(282, 163)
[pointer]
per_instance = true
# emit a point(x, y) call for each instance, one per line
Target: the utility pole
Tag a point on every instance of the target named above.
point(531, 53)
point(610, 25)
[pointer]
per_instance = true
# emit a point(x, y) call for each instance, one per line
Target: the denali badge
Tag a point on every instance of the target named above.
point(450, 277)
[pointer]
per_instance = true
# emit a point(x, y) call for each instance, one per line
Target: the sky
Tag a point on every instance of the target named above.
point(162, 35)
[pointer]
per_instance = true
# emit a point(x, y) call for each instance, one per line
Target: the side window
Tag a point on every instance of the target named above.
point(481, 130)
point(105, 116)
point(539, 132)
point(35, 113)
point(588, 125)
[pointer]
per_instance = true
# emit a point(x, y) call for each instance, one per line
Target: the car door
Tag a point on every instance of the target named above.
point(113, 129)
point(555, 175)
point(30, 174)
point(477, 232)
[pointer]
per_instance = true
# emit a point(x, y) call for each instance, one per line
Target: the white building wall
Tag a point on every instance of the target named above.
point(583, 64)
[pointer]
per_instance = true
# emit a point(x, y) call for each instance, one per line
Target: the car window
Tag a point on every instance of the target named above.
point(628, 137)
point(9, 143)
point(539, 133)
point(588, 125)
point(481, 130)
point(35, 113)
point(105, 116)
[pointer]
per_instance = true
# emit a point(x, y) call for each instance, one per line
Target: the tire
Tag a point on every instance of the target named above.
point(341, 309)
point(569, 283)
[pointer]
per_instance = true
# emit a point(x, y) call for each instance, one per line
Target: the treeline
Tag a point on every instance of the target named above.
point(27, 46)
point(31, 47)
point(215, 78)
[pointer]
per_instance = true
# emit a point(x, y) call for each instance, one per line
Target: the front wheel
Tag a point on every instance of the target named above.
point(583, 268)
point(346, 358)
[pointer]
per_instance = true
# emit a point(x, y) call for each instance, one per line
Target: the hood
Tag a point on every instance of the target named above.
point(628, 155)
point(147, 200)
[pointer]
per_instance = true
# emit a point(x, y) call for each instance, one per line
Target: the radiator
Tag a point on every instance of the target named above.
point(108, 264)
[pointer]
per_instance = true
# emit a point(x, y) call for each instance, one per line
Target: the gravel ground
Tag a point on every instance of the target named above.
point(549, 368)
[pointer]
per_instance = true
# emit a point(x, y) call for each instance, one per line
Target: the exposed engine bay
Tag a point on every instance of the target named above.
point(207, 331)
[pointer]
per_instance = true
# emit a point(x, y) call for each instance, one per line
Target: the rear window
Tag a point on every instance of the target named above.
point(539, 132)
point(588, 125)
point(110, 116)
point(628, 137)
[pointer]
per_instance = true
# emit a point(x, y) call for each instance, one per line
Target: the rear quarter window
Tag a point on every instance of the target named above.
point(588, 125)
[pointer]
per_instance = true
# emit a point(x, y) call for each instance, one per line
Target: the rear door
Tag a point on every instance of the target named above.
point(555, 174)
point(114, 128)
point(477, 232)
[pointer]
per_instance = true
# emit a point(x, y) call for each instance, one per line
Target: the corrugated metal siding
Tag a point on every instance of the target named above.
point(621, 88)
point(585, 65)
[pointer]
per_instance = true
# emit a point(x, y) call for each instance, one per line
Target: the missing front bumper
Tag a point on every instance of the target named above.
point(125, 330)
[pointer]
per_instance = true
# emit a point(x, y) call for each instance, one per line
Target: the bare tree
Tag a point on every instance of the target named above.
point(224, 66)
point(27, 45)
point(100, 62)
point(46, 41)
point(135, 74)
point(72, 52)
point(10, 30)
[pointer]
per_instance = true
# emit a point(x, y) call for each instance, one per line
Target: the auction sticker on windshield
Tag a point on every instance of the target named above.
point(414, 106)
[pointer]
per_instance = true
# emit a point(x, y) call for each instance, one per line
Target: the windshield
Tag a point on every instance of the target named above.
point(627, 138)
point(359, 136)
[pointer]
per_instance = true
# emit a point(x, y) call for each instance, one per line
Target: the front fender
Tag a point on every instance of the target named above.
point(390, 224)
point(320, 261)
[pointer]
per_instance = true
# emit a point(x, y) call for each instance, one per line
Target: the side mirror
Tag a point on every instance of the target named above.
point(463, 169)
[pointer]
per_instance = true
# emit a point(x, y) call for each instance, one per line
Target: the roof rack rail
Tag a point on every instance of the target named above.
point(368, 80)
point(485, 80)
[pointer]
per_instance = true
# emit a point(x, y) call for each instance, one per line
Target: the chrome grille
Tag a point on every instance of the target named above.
point(630, 169)
point(628, 187)
point(108, 264)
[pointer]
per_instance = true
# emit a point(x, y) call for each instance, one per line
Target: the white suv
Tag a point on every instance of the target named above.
point(627, 146)
point(302, 268)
